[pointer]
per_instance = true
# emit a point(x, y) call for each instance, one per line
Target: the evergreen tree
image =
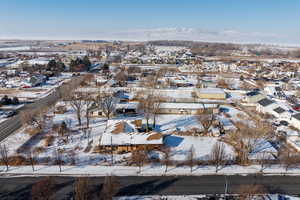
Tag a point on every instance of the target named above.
point(15, 101)
point(86, 61)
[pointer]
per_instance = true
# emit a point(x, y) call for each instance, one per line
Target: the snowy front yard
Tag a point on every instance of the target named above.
point(180, 147)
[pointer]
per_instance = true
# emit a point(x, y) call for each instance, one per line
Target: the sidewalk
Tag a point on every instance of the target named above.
point(145, 171)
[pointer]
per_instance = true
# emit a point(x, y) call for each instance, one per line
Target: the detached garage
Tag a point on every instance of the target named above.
point(211, 93)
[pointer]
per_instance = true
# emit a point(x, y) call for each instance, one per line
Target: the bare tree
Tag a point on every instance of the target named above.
point(77, 103)
point(4, 155)
point(108, 50)
point(222, 84)
point(191, 158)
point(151, 82)
point(39, 118)
point(149, 105)
point(108, 106)
point(289, 159)
point(264, 161)
point(31, 159)
point(34, 116)
point(167, 158)
point(218, 155)
point(88, 104)
point(66, 90)
point(27, 117)
point(121, 77)
point(110, 187)
point(58, 158)
point(145, 106)
point(43, 189)
point(206, 118)
point(139, 157)
point(247, 138)
point(155, 109)
point(82, 188)
point(249, 192)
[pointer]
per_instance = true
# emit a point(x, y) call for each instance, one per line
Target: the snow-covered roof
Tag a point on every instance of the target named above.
point(186, 106)
point(211, 90)
point(127, 135)
point(130, 105)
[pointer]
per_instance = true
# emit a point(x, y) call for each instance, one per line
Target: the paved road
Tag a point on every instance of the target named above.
point(12, 124)
point(19, 188)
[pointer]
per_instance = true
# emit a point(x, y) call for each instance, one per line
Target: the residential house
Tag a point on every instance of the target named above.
point(130, 108)
point(281, 113)
point(124, 136)
point(268, 106)
point(37, 79)
point(265, 105)
point(253, 97)
point(211, 93)
point(208, 84)
point(185, 108)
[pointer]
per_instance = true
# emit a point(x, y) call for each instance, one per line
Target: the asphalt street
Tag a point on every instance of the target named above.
point(20, 187)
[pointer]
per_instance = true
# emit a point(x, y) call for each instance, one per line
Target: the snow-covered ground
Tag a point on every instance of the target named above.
point(180, 146)
point(147, 170)
point(81, 146)
point(35, 92)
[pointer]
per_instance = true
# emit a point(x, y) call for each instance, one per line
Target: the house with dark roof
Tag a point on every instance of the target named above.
point(281, 113)
point(265, 105)
point(253, 97)
point(265, 102)
point(268, 106)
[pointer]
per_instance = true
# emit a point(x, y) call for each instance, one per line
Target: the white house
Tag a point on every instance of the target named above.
point(281, 113)
point(185, 108)
point(266, 105)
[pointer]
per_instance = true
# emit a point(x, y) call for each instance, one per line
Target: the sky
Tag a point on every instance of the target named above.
point(269, 21)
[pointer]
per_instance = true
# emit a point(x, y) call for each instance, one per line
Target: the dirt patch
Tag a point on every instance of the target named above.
point(155, 136)
point(119, 128)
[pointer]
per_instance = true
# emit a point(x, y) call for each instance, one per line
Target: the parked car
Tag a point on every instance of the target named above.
point(276, 124)
point(10, 113)
point(284, 123)
point(296, 108)
point(222, 109)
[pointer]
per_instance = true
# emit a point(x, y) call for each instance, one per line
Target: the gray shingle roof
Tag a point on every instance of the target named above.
point(279, 110)
point(265, 102)
point(297, 116)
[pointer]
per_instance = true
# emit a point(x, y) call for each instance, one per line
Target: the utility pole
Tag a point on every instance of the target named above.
point(226, 186)
point(111, 151)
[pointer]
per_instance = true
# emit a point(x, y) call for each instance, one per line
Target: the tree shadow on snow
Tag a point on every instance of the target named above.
point(172, 140)
point(146, 188)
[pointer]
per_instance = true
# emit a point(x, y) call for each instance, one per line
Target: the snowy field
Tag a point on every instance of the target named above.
point(180, 146)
